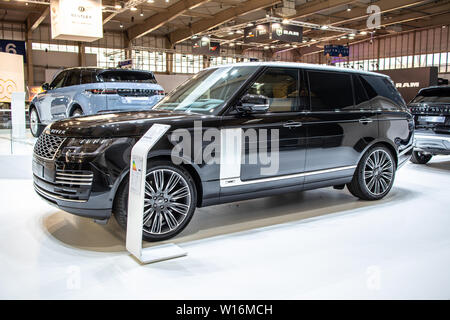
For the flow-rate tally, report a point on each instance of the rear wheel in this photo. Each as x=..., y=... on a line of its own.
x=420, y=157
x=169, y=203
x=36, y=127
x=77, y=112
x=374, y=176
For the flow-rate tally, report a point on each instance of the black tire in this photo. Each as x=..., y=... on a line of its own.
x=36, y=127
x=420, y=158
x=121, y=201
x=77, y=112
x=362, y=187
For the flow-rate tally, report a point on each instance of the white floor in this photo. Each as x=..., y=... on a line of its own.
x=315, y=244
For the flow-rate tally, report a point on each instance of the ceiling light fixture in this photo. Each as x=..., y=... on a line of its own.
x=142, y=13
x=133, y=9
x=285, y=21
x=150, y=1
x=121, y=25
x=349, y=8
x=324, y=27
x=363, y=33
x=205, y=38
x=249, y=24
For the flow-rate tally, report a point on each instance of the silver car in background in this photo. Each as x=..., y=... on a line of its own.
x=86, y=91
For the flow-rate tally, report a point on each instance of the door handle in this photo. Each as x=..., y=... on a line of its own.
x=292, y=124
x=365, y=120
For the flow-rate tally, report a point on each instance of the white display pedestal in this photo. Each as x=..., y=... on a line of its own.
x=18, y=115
x=138, y=169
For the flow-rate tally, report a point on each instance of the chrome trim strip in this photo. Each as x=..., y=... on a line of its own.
x=430, y=137
x=74, y=179
x=48, y=195
x=74, y=183
x=239, y=182
x=406, y=150
x=74, y=174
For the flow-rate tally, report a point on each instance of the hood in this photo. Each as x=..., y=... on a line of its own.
x=119, y=124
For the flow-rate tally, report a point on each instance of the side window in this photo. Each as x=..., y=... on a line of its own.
x=383, y=92
x=73, y=78
x=361, y=98
x=87, y=76
x=58, y=81
x=330, y=91
x=280, y=86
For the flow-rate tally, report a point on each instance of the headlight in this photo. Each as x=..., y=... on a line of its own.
x=77, y=149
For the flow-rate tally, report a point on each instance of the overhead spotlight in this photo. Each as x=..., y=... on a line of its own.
x=266, y=47
x=205, y=38
x=305, y=41
x=349, y=8
x=272, y=46
x=231, y=44
x=294, y=46
x=443, y=27
x=239, y=31
x=150, y=1
x=249, y=24
x=313, y=40
x=287, y=45
x=194, y=36
x=133, y=9
x=231, y=32
x=285, y=21
x=351, y=35
x=142, y=13
x=351, y=38
x=117, y=6
x=363, y=33
x=121, y=25
x=324, y=27
x=167, y=1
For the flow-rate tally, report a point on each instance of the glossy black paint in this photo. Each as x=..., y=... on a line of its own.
x=323, y=140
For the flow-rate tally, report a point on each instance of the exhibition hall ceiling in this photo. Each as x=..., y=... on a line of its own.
x=181, y=21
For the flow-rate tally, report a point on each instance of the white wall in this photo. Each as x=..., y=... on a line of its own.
x=171, y=81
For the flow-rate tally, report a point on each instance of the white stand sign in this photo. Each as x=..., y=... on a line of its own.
x=18, y=115
x=138, y=169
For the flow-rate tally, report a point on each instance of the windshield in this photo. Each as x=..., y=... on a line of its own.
x=441, y=95
x=207, y=91
x=127, y=76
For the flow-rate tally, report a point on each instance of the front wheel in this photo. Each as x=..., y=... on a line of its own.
x=374, y=176
x=77, y=112
x=169, y=203
x=420, y=157
x=36, y=127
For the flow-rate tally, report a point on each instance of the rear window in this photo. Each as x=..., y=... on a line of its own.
x=127, y=76
x=440, y=95
x=381, y=86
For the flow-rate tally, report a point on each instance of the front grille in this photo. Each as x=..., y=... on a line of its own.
x=69, y=185
x=47, y=145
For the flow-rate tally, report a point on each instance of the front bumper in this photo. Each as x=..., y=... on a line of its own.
x=80, y=191
x=431, y=142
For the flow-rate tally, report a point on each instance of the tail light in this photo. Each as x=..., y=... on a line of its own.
x=102, y=91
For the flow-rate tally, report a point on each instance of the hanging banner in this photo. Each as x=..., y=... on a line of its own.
x=14, y=47
x=206, y=47
x=79, y=20
x=258, y=33
x=287, y=33
x=11, y=76
x=336, y=51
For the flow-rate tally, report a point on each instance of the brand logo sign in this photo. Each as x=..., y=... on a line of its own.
x=276, y=31
x=79, y=20
x=407, y=84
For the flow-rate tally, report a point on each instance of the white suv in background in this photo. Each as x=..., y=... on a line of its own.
x=86, y=91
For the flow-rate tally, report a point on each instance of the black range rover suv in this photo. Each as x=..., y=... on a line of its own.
x=431, y=110
x=325, y=126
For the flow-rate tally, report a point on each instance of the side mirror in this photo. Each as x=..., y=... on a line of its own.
x=45, y=86
x=251, y=103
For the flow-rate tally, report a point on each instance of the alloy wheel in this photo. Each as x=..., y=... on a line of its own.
x=378, y=172
x=34, y=122
x=167, y=201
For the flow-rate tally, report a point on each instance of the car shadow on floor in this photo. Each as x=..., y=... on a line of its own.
x=226, y=219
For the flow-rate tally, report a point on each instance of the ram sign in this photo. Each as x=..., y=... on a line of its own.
x=409, y=81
